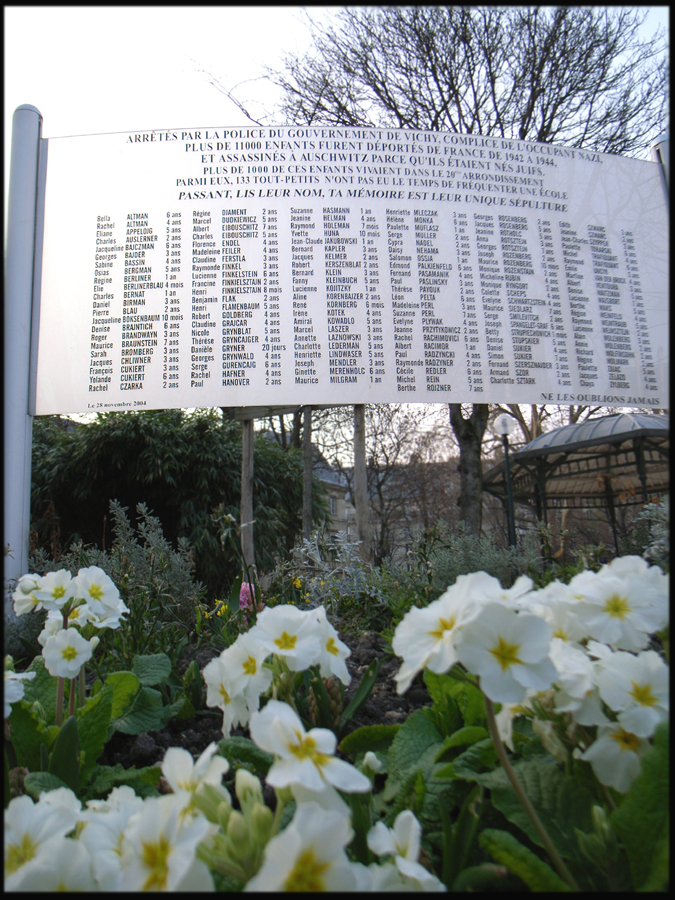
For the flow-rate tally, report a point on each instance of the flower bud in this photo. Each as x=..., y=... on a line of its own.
x=239, y=834
x=9, y=663
x=248, y=790
x=605, y=833
x=261, y=822
x=95, y=641
x=223, y=814
x=546, y=732
x=370, y=761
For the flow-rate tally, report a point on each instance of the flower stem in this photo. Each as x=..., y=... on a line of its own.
x=60, y=685
x=524, y=799
x=71, y=698
x=82, y=689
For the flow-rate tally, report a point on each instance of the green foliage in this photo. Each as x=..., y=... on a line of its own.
x=462, y=552
x=506, y=849
x=155, y=581
x=185, y=467
x=642, y=821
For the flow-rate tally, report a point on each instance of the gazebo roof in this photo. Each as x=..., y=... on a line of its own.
x=576, y=465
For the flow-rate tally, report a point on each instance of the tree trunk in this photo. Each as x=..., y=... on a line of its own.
x=361, y=480
x=469, y=433
x=307, y=474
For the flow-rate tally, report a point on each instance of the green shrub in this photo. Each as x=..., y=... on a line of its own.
x=185, y=467
x=155, y=581
x=462, y=553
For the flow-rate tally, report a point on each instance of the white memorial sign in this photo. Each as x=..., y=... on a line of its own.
x=250, y=266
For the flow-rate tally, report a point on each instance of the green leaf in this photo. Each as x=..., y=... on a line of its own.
x=27, y=735
x=124, y=685
x=413, y=740
x=64, y=761
x=479, y=757
x=41, y=688
x=242, y=752
x=560, y=801
x=233, y=598
x=35, y=783
x=145, y=713
x=520, y=861
x=152, y=669
x=642, y=819
x=93, y=720
x=105, y=778
x=369, y=737
x=464, y=737
x=445, y=713
x=362, y=693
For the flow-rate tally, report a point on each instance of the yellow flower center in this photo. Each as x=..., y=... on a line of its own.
x=18, y=854
x=58, y=591
x=617, y=607
x=69, y=652
x=286, y=641
x=443, y=626
x=642, y=694
x=224, y=695
x=626, y=740
x=250, y=666
x=155, y=858
x=330, y=646
x=560, y=633
x=306, y=874
x=74, y=613
x=306, y=749
x=506, y=654
x=96, y=591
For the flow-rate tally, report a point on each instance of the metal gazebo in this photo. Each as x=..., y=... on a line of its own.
x=611, y=461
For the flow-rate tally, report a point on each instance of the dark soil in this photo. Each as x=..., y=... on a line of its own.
x=383, y=706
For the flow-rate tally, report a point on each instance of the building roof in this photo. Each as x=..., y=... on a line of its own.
x=576, y=465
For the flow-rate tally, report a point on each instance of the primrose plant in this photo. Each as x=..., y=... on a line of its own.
x=76, y=609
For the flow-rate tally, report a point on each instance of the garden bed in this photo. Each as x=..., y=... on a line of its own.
x=383, y=707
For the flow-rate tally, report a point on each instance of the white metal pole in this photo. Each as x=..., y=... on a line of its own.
x=19, y=275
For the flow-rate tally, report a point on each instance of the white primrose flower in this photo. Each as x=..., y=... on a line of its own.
x=245, y=660
x=24, y=597
x=637, y=687
x=159, y=845
x=30, y=831
x=14, y=689
x=53, y=624
x=224, y=689
x=66, y=652
x=509, y=651
x=291, y=634
x=98, y=590
x=108, y=617
x=327, y=798
x=619, y=611
x=577, y=683
x=103, y=833
x=403, y=842
x=615, y=756
x=303, y=757
x=67, y=867
x=308, y=855
x=333, y=651
x=184, y=774
x=556, y=605
x=427, y=637
x=55, y=589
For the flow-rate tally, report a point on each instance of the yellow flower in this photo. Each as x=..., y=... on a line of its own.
x=297, y=583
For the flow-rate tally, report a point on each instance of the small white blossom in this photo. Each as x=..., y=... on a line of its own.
x=637, y=687
x=308, y=855
x=615, y=756
x=14, y=689
x=55, y=589
x=289, y=633
x=333, y=651
x=303, y=757
x=66, y=652
x=509, y=651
